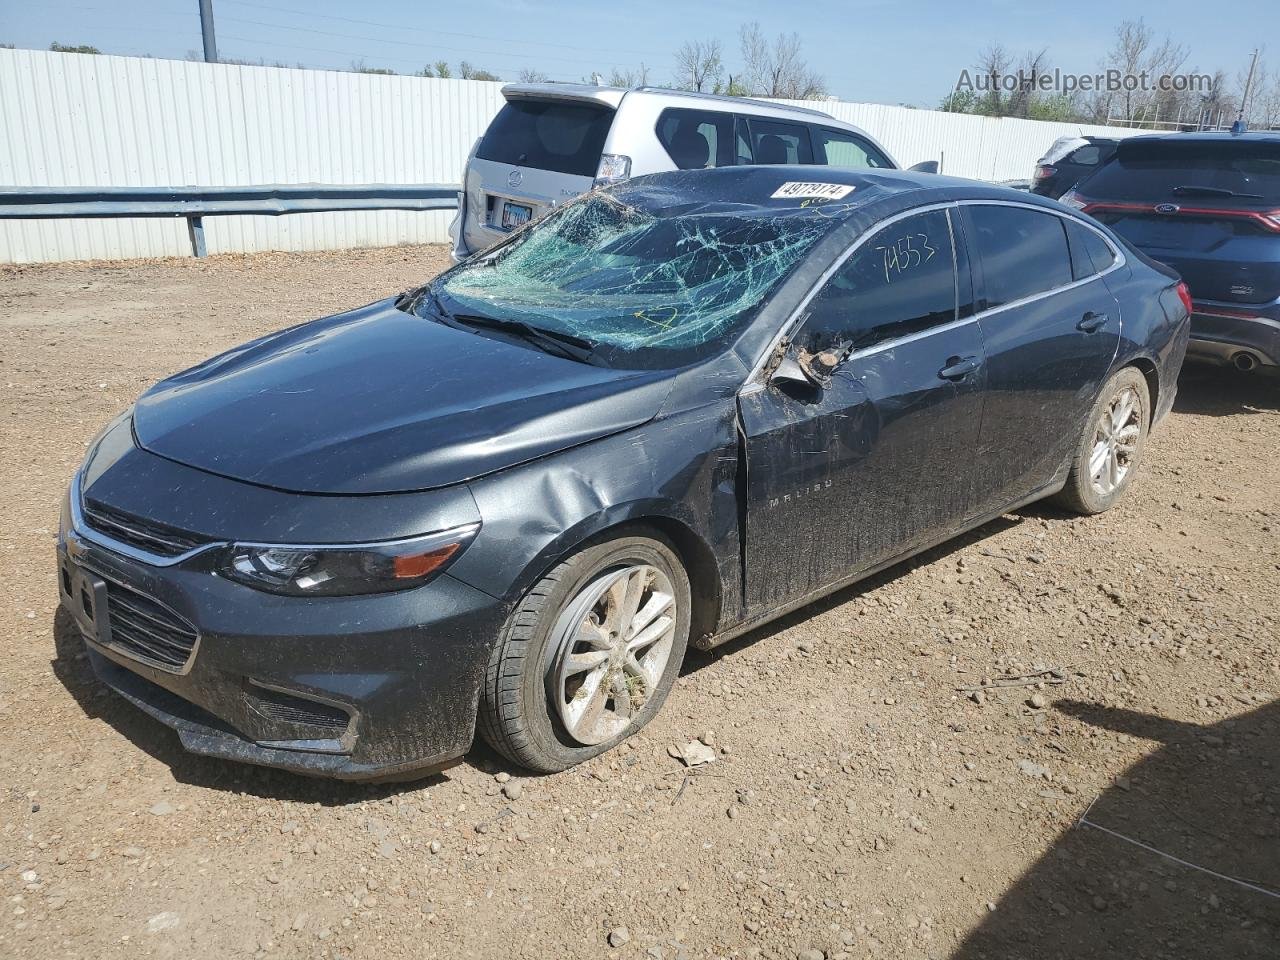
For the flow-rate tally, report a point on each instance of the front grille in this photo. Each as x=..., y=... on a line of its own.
x=284, y=708
x=147, y=630
x=148, y=535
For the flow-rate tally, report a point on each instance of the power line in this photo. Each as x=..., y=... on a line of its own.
x=433, y=31
x=406, y=43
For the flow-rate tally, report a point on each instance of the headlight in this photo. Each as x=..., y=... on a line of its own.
x=344, y=569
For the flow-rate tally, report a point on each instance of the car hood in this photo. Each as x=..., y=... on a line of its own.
x=379, y=401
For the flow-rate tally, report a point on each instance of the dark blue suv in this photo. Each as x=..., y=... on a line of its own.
x=1208, y=205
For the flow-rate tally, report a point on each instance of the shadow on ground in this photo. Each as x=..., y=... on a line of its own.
x=1217, y=391
x=1209, y=796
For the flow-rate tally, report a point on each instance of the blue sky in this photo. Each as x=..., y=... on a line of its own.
x=879, y=51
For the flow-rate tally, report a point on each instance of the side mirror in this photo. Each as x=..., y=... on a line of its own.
x=924, y=166
x=805, y=368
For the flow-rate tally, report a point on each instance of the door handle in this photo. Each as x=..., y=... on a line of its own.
x=1092, y=322
x=958, y=368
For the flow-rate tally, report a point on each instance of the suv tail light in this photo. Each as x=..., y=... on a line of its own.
x=1184, y=294
x=1073, y=199
x=1044, y=172
x=613, y=167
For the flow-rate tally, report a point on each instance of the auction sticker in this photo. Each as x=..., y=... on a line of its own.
x=796, y=190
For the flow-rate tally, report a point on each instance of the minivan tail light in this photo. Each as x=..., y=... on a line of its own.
x=1184, y=294
x=613, y=167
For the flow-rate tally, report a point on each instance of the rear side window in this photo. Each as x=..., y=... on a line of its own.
x=1090, y=254
x=775, y=142
x=1201, y=172
x=1023, y=252
x=1088, y=156
x=695, y=139
x=556, y=135
x=836, y=148
x=901, y=281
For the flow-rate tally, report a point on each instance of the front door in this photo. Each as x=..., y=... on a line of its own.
x=845, y=476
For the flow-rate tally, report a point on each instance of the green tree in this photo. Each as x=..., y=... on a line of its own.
x=57, y=47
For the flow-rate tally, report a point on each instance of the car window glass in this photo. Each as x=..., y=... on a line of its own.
x=774, y=142
x=695, y=139
x=548, y=135
x=1024, y=252
x=842, y=149
x=900, y=281
x=1089, y=252
x=742, y=141
x=1086, y=156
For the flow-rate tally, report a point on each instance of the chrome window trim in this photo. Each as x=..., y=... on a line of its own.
x=754, y=384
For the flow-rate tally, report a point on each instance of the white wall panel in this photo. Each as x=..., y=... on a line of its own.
x=75, y=120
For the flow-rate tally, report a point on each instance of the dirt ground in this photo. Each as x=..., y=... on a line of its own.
x=862, y=804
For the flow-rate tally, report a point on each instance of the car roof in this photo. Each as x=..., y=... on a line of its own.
x=613, y=97
x=748, y=190
x=1208, y=136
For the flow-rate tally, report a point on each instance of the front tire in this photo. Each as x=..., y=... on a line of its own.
x=589, y=655
x=1111, y=447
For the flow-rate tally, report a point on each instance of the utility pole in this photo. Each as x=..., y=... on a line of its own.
x=1248, y=86
x=206, y=28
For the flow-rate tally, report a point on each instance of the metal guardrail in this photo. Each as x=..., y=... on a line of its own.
x=196, y=203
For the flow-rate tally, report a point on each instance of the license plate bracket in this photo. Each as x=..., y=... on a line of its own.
x=515, y=214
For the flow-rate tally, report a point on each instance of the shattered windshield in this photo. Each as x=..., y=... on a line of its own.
x=646, y=287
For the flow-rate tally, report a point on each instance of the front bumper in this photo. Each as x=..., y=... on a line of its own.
x=1223, y=332
x=369, y=687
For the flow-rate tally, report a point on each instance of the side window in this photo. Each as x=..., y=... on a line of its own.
x=742, y=141
x=902, y=280
x=1024, y=252
x=1086, y=156
x=1090, y=254
x=776, y=142
x=836, y=148
x=695, y=139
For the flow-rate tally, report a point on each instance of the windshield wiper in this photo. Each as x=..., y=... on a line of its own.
x=1213, y=192
x=551, y=341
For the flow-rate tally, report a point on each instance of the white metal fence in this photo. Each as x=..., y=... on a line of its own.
x=78, y=120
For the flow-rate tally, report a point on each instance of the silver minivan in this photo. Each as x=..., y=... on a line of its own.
x=552, y=142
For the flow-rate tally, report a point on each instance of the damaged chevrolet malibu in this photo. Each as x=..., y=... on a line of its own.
x=668, y=412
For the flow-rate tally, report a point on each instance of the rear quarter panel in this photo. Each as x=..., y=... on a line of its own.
x=1154, y=328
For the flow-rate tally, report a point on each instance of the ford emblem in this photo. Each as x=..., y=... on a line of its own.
x=1167, y=208
x=514, y=178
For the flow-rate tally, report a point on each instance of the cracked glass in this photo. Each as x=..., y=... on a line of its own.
x=649, y=284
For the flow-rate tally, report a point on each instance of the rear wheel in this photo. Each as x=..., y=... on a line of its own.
x=1112, y=445
x=589, y=655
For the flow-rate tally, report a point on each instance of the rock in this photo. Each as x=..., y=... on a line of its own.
x=619, y=937
x=1037, y=701
x=289, y=826
x=30, y=876
x=810, y=954
x=162, y=809
x=693, y=753
x=436, y=846
x=163, y=921
x=502, y=777
x=978, y=697
x=133, y=853
x=708, y=738
x=512, y=790
x=1031, y=769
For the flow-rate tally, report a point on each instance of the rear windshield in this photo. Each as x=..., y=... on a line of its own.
x=553, y=135
x=1190, y=171
x=652, y=287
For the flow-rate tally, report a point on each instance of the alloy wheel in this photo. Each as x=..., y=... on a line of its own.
x=1115, y=442
x=612, y=645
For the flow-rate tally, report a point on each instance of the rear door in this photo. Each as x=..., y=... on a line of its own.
x=1051, y=329
x=536, y=154
x=846, y=476
x=1209, y=208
